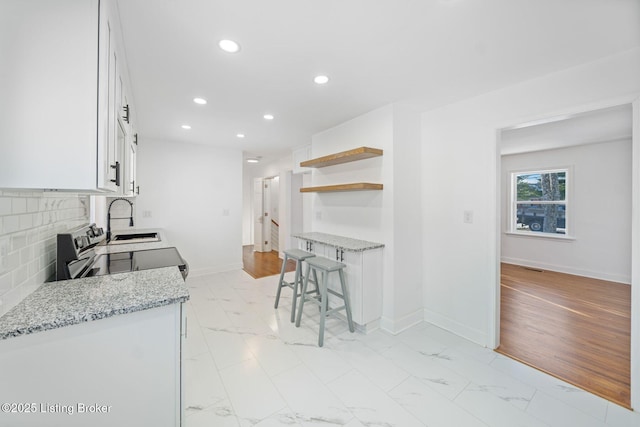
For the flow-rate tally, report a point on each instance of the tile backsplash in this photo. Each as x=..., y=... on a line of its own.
x=29, y=223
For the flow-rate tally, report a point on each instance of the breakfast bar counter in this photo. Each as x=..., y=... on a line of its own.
x=363, y=273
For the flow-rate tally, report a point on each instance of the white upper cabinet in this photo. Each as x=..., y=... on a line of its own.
x=61, y=68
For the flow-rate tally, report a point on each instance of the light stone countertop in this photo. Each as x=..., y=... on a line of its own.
x=68, y=302
x=340, y=242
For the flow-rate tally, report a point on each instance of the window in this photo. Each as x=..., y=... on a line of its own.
x=539, y=201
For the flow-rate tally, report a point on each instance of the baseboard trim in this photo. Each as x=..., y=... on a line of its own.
x=213, y=270
x=457, y=328
x=618, y=278
x=395, y=327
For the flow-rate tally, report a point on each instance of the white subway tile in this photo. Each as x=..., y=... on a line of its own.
x=18, y=205
x=11, y=224
x=9, y=262
x=5, y=283
x=5, y=206
x=19, y=275
x=29, y=222
x=5, y=246
x=18, y=241
x=26, y=255
x=26, y=221
x=33, y=204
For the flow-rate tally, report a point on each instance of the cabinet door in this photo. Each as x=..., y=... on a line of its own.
x=110, y=133
x=316, y=248
x=353, y=280
x=48, y=94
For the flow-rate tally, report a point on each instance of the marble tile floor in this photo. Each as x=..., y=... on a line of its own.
x=247, y=365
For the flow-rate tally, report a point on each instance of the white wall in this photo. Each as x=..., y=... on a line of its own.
x=460, y=165
x=193, y=192
x=366, y=215
x=599, y=212
x=407, y=220
x=390, y=216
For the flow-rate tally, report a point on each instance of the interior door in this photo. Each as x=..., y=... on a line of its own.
x=261, y=218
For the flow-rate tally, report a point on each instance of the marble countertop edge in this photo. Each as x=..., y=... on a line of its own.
x=340, y=242
x=59, y=304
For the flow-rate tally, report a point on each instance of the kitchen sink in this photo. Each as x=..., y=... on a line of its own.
x=135, y=238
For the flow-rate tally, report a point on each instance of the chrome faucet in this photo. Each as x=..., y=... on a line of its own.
x=109, y=216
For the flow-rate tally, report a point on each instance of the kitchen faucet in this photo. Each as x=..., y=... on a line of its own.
x=109, y=216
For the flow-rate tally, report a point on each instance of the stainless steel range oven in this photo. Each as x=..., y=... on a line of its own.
x=76, y=256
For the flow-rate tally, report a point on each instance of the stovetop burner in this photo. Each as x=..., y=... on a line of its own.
x=121, y=262
x=76, y=256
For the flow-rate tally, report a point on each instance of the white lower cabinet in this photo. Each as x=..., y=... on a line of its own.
x=124, y=370
x=363, y=276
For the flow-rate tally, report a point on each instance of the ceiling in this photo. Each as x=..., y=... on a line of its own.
x=428, y=52
x=604, y=125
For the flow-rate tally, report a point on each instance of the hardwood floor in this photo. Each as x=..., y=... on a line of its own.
x=574, y=328
x=263, y=264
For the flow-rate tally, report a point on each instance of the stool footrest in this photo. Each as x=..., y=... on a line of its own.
x=333, y=310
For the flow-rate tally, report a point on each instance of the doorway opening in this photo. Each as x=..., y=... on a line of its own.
x=274, y=209
x=565, y=289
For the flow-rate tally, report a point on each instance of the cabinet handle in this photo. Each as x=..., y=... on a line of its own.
x=133, y=186
x=341, y=255
x=337, y=258
x=126, y=113
x=117, y=168
x=138, y=189
x=135, y=139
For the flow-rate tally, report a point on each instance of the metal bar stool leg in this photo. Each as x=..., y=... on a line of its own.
x=323, y=305
x=280, y=285
x=303, y=296
x=345, y=297
x=297, y=282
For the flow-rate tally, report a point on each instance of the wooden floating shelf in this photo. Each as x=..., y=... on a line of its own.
x=358, y=186
x=360, y=153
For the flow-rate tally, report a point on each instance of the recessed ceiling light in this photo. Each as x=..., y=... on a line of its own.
x=229, y=46
x=187, y=127
x=240, y=135
x=200, y=101
x=268, y=116
x=252, y=160
x=321, y=79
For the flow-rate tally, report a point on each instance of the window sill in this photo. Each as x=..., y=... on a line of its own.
x=539, y=235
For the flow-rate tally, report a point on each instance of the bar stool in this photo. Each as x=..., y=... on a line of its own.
x=325, y=266
x=298, y=256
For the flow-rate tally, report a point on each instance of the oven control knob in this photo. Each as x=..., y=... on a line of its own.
x=91, y=233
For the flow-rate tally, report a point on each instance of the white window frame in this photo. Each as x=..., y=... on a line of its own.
x=513, y=203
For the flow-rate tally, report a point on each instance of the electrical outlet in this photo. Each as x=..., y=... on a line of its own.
x=319, y=215
x=146, y=214
x=225, y=212
x=468, y=217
